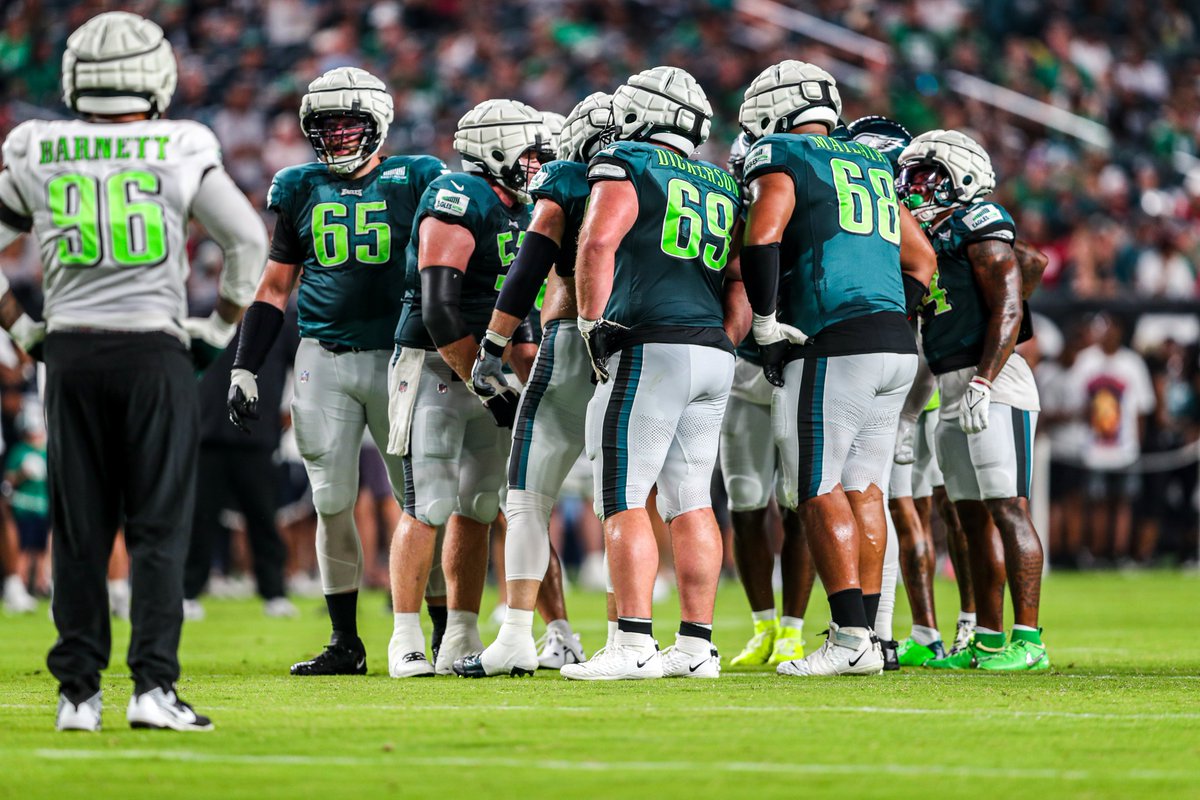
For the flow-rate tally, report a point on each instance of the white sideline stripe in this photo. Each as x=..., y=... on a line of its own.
x=977, y=712
x=924, y=769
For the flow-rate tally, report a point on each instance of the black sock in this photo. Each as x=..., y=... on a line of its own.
x=696, y=629
x=871, y=606
x=343, y=616
x=437, y=615
x=847, y=610
x=635, y=625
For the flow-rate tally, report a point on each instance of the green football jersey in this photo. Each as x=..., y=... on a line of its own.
x=954, y=312
x=469, y=201
x=564, y=182
x=670, y=265
x=842, y=244
x=350, y=238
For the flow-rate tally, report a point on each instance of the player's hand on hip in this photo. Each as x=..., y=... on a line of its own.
x=503, y=406
x=598, y=338
x=487, y=374
x=774, y=338
x=975, y=405
x=242, y=402
x=906, y=436
x=29, y=335
x=210, y=336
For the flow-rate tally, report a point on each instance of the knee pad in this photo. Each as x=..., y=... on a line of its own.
x=332, y=499
x=746, y=493
x=527, y=546
x=339, y=552
x=437, y=512
x=482, y=507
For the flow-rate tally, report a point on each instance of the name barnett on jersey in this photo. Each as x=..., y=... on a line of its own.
x=101, y=148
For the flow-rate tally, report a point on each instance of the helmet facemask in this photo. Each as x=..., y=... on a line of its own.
x=343, y=140
x=517, y=176
x=926, y=189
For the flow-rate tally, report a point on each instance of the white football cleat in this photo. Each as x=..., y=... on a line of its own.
x=406, y=657
x=556, y=650
x=17, y=599
x=162, y=710
x=617, y=663
x=680, y=663
x=280, y=608
x=846, y=651
x=500, y=658
x=193, y=611
x=82, y=717
x=458, y=642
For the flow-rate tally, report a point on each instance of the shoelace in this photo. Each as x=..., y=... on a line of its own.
x=545, y=638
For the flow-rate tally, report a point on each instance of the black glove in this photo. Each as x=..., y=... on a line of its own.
x=503, y=406
x=242, y=401
x=598, y=338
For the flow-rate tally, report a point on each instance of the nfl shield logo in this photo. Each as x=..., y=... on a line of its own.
x=403, y=386
x=442, y=388
x=304, y=376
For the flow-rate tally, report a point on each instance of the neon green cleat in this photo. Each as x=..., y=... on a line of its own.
x=1020, y=656
x=789, y=645
x=912, y=654
x=758, y=649
x=970, y=658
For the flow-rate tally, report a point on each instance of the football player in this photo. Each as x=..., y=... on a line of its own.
x=465, y=237
x=548, y=434
x=342, y=225
x=660, y=305
x=827, y=208
x=973, y=318
x=749, y=467
x=108, y=197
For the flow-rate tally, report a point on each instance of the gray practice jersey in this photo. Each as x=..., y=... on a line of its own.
x=109, y=206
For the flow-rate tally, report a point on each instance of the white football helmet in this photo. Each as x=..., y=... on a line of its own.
x=588, y=129
x=495, y=136
x=789, y=94
x=943, y=169
x=345, y=116
x=664, y=105
x=737, y=156
x=118, y=63
x=554, y=124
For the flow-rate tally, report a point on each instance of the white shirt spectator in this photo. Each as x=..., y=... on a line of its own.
x=1115, y=391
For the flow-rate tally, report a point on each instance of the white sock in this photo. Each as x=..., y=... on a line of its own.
x=463, y=620
x=612, y=633
x=766, y=615
x=517, y=626
x=638, y=641
x=406, y=622
x=792, y=622
x=966, y=616
x=985, y=631
x=693, y=645
x=406, y=629
x=562, y=626
x=1024, y=628
x=925, y=635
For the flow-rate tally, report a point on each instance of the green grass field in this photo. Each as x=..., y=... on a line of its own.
x=1118, y=716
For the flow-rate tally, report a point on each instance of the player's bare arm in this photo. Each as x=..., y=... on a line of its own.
x=442, y=259
x=612, y=211
x=1033, y=264
x=917, y=257
x=738, y=315
x=998, y=276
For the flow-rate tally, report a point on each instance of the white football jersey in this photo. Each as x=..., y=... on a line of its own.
x=109, y=205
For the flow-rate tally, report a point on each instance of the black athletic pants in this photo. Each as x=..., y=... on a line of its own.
x=122, y=440
x=243, y=478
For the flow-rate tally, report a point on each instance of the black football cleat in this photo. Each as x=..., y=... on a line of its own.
x=891, y=660
x=472, y=667
x=335, y=659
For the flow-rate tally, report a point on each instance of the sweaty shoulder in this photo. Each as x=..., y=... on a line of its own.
x=16, y=145
x=560, y=181
x=458, y=198
x=619, y=162
x=291, y=182
x=982, y=221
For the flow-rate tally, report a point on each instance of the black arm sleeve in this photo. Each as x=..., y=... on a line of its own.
x=285, y=243
x=14, y=220
x=760, y=273
x=441, y=291
x=524, y=333
x=914, y=293
x=528, y=272
x=260, y=326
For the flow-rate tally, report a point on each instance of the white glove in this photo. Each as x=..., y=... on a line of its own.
x=211, y=330
x=976, y=402
x=906, y=436
x=768, y=330
x=242, y=401
x=27, y=333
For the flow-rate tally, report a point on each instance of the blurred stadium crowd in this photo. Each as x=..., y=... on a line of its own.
x=1121, y=225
